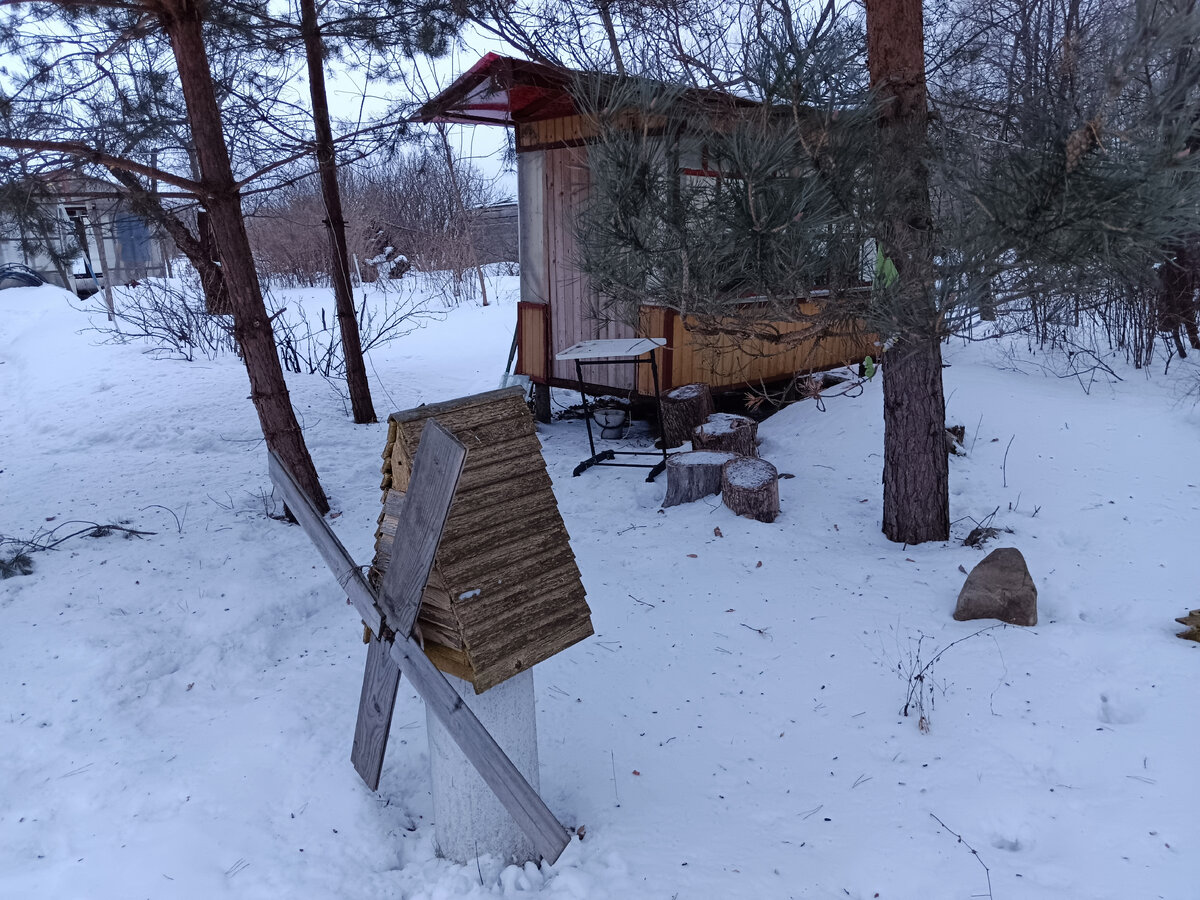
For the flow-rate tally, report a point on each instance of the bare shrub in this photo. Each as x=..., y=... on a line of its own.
x=168, y=314
x=313, y=346
x=415, y=206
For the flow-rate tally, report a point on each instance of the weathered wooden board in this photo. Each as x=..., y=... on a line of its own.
x=375, y=706
x=420, y=519
x=436, y=469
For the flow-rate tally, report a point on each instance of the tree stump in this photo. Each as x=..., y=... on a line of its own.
x=683, y=408
x=691, y=476
x=750, y=487
x=730, y=433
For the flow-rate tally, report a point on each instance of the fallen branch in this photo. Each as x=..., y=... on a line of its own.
x=986, y=871
x=17, y=561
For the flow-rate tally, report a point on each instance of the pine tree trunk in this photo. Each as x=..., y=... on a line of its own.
x=916, y=500
x=361, y=406
x=182, y=20
x=916, y=480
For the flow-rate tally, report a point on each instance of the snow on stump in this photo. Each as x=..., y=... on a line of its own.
x=724, y=431
x=683, y=409
x=691, y=476
x=1000, y=587
x=750, y=487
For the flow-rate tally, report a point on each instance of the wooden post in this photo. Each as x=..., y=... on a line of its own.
x=469, y=819
x=541, y=403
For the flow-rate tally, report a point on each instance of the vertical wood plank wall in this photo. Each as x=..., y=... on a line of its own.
x=532, y=340
x=572, y=299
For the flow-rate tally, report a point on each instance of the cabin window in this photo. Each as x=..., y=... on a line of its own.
x=133, y=239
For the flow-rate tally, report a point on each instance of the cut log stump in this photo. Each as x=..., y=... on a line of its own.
x=750, y=487
x=691, y=476
x=683, y=409
x=727, y=432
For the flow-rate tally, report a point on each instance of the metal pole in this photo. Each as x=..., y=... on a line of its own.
x=587, y=416
x=662, y=438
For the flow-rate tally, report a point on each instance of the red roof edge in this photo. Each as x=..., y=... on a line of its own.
x=460, y=101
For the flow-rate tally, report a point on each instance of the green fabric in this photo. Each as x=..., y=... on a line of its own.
x=886, y=273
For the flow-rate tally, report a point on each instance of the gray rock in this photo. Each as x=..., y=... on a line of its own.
x=1000, y=587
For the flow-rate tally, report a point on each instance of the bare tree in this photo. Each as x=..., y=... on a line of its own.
x=116, y=25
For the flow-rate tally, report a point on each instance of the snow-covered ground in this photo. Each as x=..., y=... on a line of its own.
x=176, y=710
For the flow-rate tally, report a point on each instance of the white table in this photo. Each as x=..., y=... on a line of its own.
x=635, y=352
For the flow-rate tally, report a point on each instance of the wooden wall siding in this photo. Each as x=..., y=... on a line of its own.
x=726, y=363
x=505, y=592
x=572, y=300
x=572, y=131
x=553, y=133
x=532, y=340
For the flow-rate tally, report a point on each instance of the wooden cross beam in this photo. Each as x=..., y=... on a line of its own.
x=390, y=614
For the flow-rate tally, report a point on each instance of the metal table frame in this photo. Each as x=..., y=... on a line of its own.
x=617, y=352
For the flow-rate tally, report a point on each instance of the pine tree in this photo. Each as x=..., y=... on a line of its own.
x=1079, y=169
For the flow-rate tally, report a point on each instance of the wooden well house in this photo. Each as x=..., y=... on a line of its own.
x=505, y=592
x=557, y=305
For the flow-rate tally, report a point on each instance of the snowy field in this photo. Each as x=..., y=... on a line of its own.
x=176, y=710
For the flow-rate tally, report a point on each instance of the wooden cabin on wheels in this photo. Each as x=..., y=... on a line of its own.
x=558, y=307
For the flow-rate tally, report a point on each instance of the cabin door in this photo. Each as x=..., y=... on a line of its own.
x=573, y=303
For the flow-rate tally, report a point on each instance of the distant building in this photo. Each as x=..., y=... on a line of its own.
x=494, y=233
x=94, y=229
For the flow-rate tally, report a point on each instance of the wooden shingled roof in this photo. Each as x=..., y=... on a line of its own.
x=505, y=592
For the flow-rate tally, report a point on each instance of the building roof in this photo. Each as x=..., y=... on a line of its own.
x=502, y=90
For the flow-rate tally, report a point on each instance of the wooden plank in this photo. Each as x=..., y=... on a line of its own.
x=433, y=633
x=451, y=661
x=380, y=683
x=469, y=573
x=514, y=436
x=464, y=535
x=531, y=814
x=499, y=439
x=437, y=410
x=488, y=675
x=436, y=469
x=531, y=349
x=344, y=570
